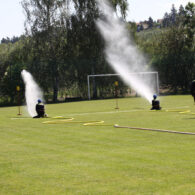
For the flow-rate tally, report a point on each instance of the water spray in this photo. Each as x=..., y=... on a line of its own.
x=121, y=52
x=32, y=92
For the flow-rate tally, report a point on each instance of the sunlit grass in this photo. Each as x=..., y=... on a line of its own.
x=71, y=158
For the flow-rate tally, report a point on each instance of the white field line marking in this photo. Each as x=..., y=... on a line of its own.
x=123, y=111
x=19, y=118
x=111, y=112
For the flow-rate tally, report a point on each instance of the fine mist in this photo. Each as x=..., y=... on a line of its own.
x=32, y=92
x=121, y=52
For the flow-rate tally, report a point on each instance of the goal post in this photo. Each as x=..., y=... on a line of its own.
x=155, y=76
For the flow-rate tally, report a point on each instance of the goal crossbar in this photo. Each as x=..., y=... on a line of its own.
x=133, y=73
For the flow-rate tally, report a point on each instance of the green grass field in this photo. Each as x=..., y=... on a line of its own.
x=71, y=158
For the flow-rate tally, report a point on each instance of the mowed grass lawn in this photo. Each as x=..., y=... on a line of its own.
x=71, y=158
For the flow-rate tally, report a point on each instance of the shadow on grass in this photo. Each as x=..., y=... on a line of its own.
x=189, y=118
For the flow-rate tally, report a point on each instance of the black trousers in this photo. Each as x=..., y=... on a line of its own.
x=40, y=115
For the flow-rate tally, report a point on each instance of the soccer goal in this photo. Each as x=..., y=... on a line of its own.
x=103, y=84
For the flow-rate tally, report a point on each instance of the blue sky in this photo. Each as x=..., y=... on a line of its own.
x=142, y=10
x=12, y=16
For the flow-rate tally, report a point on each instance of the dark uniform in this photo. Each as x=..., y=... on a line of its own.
x=40, y=109
x=155, y=104
x=193, y=89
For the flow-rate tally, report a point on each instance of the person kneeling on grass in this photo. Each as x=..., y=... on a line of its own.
x=192, y=89
x=155, y=103
x=40, y=109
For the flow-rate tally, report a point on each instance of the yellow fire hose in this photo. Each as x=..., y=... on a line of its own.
x=65, y=120
x=181, y=111
x=70, y=120
x=101, y=123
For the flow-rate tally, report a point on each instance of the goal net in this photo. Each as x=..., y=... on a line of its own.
x=103, y=85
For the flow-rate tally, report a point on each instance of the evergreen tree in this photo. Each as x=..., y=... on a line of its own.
x=166, y=20
x=173, y=15
x=181, y=11
x=150, y=22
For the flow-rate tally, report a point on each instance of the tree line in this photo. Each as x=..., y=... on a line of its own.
x=171, y=49
x=62, y=46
